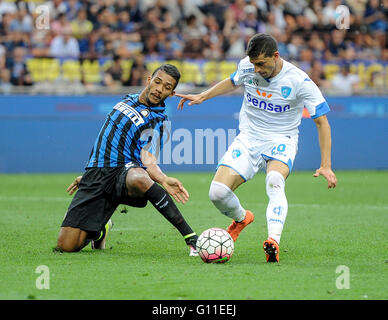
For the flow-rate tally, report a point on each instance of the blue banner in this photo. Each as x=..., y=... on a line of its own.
x=56, y=133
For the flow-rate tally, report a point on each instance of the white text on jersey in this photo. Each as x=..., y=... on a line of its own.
x=130, y=112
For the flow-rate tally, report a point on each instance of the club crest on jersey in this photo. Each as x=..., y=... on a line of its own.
x=236, y=153
x=285, y=91
x=145, y=112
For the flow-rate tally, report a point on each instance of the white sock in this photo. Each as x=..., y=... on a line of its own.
x=278, y=206
x=226, y=201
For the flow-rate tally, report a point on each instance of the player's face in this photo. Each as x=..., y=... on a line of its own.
x=265, y=66
x=158, y=88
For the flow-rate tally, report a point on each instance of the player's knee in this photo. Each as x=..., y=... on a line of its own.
x=274, y=182
x=67, y=245
x=68, y=240
x=218, y=192
x=138, y=182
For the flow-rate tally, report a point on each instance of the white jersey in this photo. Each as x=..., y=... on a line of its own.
x=275, y=106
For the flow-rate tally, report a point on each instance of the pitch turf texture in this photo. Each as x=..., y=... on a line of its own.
x=146, y=258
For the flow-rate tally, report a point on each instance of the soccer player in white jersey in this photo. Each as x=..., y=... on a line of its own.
x=275, y=93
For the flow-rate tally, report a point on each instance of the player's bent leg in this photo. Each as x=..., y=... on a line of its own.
x=277, y=208
x=221, y=194
x=139, y=184
x=71, y=239
x=226, y=201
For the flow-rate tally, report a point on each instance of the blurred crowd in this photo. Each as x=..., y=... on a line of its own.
x=307, y=32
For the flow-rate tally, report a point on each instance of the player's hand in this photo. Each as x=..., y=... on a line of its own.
x=175, y=188
x=329, y=176
x=74, y=185
x=193, y=98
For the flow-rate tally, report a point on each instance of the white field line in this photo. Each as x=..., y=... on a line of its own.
x=35, y=199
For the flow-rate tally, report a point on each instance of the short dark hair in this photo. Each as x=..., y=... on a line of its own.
x=170, y=70
x=261, y=43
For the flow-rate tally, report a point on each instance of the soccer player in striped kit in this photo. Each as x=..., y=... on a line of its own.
x=275, y=93
x=122, y=169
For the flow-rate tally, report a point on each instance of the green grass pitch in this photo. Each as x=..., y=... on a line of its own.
x=146, y=257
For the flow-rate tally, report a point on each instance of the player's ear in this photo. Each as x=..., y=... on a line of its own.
x=172, y=94
x=276, y=55
x=148, y=80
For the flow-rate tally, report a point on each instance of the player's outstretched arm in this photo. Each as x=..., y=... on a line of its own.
x=74, y=185
x=172, y=185
x=222, y=87
x=324, y=136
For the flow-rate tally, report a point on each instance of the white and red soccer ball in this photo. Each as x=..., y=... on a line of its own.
x=215, y=245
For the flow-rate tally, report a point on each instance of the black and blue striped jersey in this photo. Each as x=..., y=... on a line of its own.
x=129, y=128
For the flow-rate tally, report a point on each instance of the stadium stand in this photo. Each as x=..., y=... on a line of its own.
x=74, y=43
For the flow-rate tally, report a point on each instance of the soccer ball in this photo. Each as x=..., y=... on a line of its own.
x=215, y=245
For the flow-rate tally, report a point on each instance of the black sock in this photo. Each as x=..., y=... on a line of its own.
x=162, y=201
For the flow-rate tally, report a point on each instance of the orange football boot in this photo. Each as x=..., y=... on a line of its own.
x=236, y=227
x=271, y=249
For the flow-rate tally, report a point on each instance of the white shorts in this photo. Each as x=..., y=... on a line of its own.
x=247, y=156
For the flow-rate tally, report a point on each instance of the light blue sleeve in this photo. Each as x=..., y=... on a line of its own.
x=321, y=109
x=233, y=78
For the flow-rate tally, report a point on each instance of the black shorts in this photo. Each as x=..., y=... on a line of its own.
x=100, y=192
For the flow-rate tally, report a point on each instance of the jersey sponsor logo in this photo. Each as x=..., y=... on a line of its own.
x=254, y=81
x=264, y=94
x=285, y=91
x=130, y=112
x=268, y=106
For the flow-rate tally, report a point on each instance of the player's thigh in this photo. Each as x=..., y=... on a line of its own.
x=276, y=165
x=229, y=177
x=94, y=203
x=125, y=190
x=71, y=239
x=237, y=165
